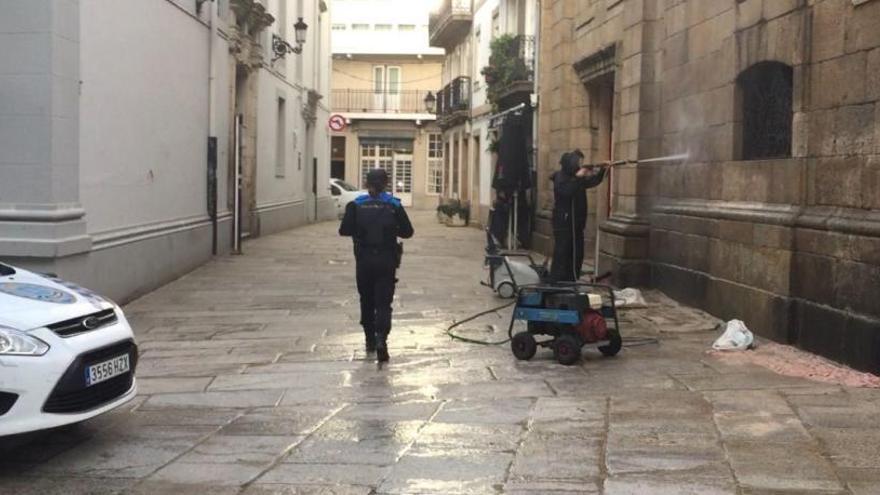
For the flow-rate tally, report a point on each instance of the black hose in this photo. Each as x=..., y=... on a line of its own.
x=640, y=341
x=474, y=317
x=636, y=341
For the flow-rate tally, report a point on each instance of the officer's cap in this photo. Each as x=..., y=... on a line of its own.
x=377, y=177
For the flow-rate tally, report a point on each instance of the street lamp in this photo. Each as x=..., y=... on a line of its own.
x=430, y=102
x=300, y=29
x=282, y=48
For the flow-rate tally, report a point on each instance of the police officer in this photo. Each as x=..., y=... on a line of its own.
x=570, y=215
x=374, y=221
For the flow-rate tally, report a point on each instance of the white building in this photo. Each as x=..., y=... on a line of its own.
x=466, y=30
x=106, y=109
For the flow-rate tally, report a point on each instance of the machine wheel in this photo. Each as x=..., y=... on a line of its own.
x=567, y=349
x=524, y=346
x=614, y=346
x=506, y=290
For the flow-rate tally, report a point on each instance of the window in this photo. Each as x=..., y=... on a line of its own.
x=376, y=155
x=435, y=163
x=393, y=80
x=360, y=27
x=339, y=27
x=280, y=141
x=406, y=27
x=764, y=103
x=383, y=27
x=379, y=79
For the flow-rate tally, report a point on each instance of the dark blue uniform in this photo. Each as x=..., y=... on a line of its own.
x=375, y=223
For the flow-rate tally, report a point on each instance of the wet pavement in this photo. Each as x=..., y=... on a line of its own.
x=253, y=381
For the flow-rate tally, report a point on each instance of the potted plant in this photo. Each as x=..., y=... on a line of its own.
x=454, y=213
x=442, y=215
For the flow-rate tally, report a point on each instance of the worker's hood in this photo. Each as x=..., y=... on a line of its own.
x=569, y=162
x=29, y=300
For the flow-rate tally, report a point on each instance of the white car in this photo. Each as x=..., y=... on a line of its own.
x=343, y=193
x=66, y=353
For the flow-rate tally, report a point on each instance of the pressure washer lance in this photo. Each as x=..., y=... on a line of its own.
x=617, y=163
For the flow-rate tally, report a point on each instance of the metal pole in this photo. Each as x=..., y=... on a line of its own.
x=515, y=219
x=236, y=224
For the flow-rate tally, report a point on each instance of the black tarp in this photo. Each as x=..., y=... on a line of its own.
x=513, y=178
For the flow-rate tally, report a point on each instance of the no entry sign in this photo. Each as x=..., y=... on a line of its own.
x=337, y=122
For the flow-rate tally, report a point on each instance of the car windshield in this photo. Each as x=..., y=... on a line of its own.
x=346, y=186
x=6, y=270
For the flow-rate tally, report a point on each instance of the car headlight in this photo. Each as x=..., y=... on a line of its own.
x=16, y=343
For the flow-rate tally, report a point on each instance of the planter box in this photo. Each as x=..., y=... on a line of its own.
x=456, y=221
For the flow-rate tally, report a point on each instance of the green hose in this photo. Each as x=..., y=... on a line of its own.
x=474, y=317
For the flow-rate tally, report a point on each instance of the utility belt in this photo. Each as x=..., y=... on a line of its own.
x=396, y=250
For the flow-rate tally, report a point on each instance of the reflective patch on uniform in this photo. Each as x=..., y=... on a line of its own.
x=37, y=293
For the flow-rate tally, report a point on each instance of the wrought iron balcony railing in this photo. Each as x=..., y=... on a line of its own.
x=370, y=101
x=454, y=99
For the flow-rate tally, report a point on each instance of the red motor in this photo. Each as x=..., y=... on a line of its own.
x=592, y=327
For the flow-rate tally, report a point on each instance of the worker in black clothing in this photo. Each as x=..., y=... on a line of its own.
x=570, y=214
x=374, y=221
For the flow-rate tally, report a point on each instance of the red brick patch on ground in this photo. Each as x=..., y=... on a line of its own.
x=789, y=361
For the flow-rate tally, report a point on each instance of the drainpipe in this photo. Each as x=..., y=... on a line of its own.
x=535, y=119
x=212, y=129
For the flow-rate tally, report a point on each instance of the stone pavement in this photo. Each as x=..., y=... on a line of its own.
x=253, y=381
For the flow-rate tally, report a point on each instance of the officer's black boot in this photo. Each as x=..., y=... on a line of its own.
x=382, y=348
x=370, y=338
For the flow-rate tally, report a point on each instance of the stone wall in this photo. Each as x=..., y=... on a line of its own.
x=790, y=244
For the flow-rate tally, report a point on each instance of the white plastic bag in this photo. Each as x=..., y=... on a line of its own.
x=736, y=337
x=629, y=298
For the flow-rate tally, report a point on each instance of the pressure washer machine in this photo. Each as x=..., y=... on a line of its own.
x=572, y=314
x=511, y=269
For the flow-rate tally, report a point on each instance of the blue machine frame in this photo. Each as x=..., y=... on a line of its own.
x=530, y=298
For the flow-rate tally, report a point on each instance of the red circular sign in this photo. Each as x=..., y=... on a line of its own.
x=337, y=122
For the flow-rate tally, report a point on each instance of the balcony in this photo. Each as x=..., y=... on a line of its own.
x=381, y=102
x=510, y=75
x=451, y=23
x=454, y=102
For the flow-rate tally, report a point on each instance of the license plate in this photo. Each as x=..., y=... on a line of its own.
x=106, y=370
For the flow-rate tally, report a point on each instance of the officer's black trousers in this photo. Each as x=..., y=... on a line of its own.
x=568, y=254
x=375, y=283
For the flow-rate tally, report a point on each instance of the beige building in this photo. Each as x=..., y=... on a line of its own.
x=774, y=216
x=383, y=72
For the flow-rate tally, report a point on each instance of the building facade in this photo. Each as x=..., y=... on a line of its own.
x=383, y=71
x=469, y=101
x=772, y=215
x=117, y=158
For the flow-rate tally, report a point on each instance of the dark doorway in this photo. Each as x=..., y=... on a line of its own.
x=337, y=157
x=337, y=170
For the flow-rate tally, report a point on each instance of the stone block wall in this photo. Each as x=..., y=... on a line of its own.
x=788, y=244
